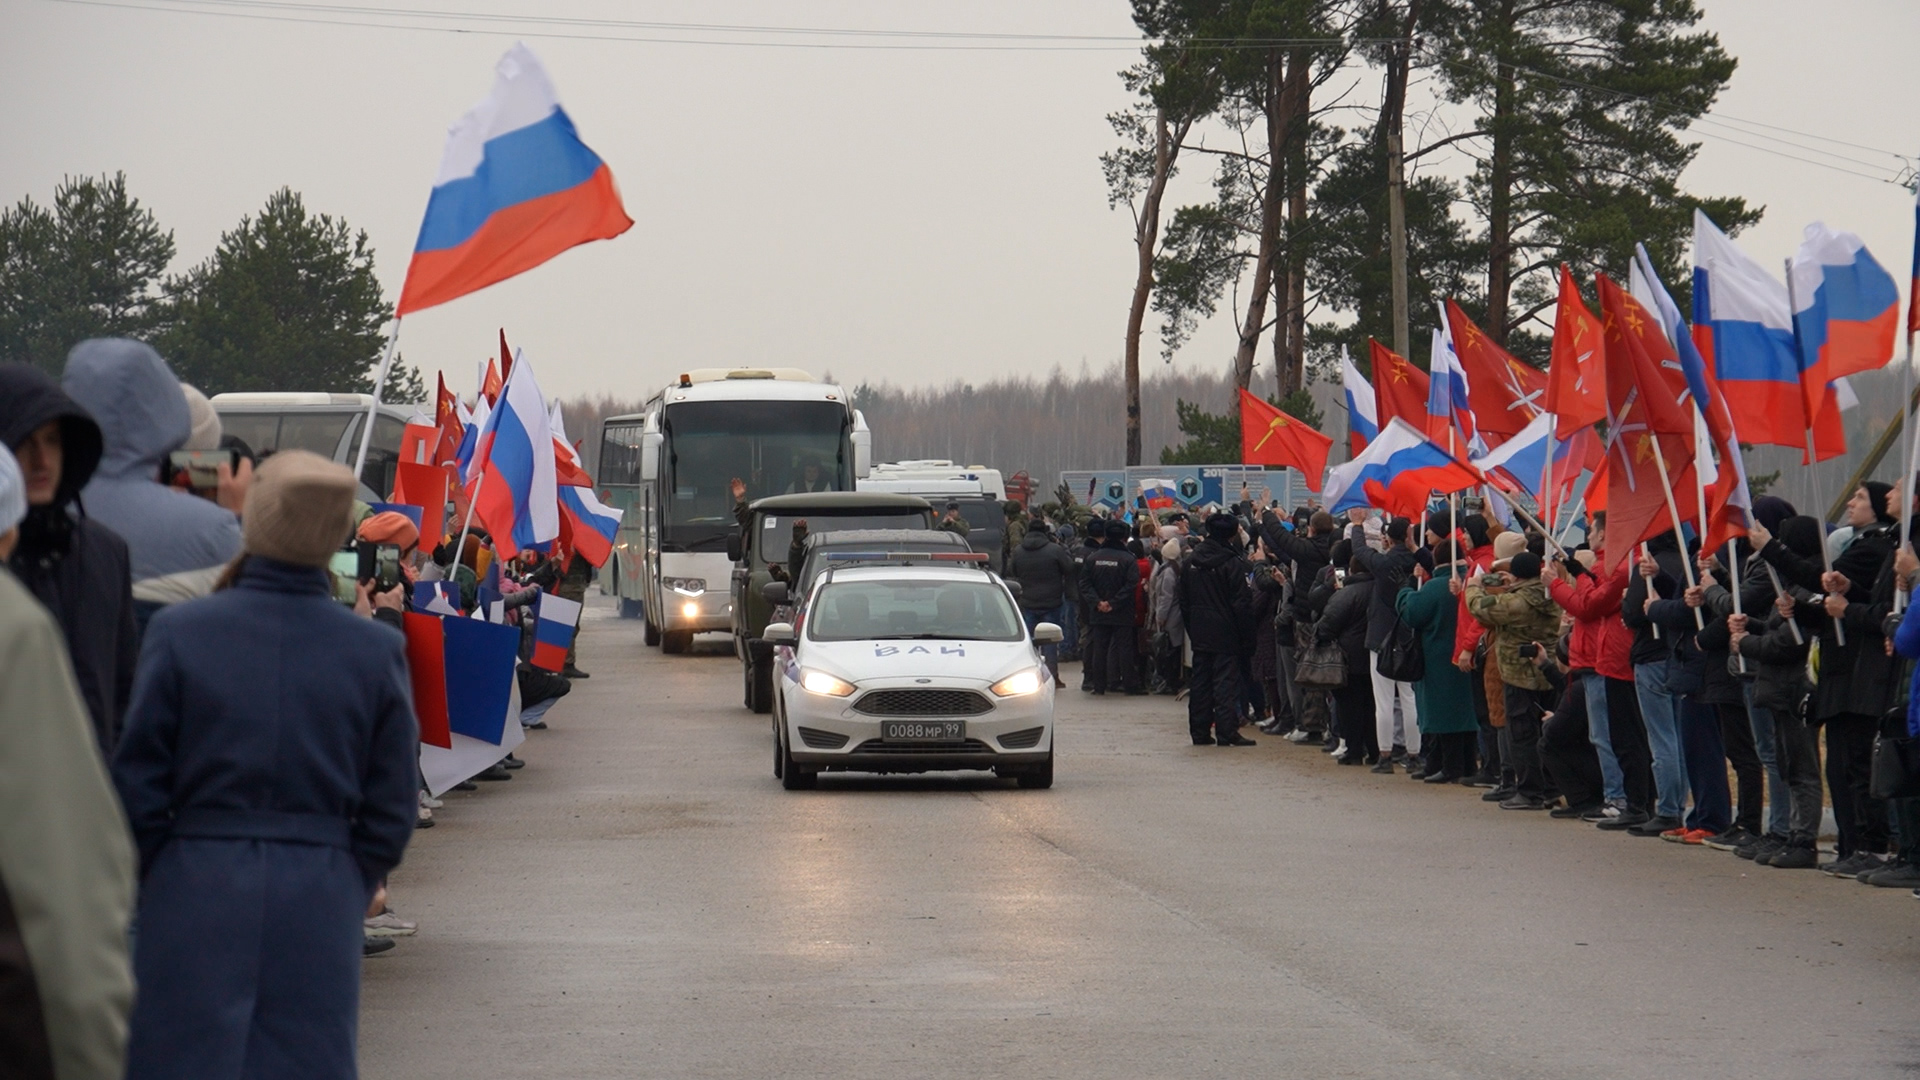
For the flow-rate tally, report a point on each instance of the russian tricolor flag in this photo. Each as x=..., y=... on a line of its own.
x=1397, y=473
x=1363, y=416
x=1846, y=308
x=1449, y=409
x=589, y=526
x=515, y=494
x=553, y=631
x=516, y=187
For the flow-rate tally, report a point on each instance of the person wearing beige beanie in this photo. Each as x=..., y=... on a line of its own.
x=299, y=509
x=269, y=772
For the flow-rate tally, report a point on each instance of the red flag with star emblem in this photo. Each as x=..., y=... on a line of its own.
x=1577, y=375
x=1506, y=394
x=1399, y=388
x=1641, y=408
x=1271, y=437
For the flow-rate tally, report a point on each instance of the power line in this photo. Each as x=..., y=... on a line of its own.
x=934, y=40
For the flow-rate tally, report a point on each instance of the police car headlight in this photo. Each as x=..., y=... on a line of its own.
x=1018, y=684
x=687, y=586
x=819, y=682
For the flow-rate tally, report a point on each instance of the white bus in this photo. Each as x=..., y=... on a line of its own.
x=670, y=469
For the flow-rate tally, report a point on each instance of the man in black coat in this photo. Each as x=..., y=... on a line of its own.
x=1303, y=551
x=1858, y=680
x=1214, y=601
x=78, y=568
x=1107, y=579
x=1048, y=582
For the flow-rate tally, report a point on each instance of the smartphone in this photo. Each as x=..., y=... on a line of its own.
x=377, y=565
x=1530, y=650
x=1339, y=575
x=201, y=467
x=344, y=568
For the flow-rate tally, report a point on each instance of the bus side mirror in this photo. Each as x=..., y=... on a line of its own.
x=733, y=546
x=650, y=455
x=862, y=447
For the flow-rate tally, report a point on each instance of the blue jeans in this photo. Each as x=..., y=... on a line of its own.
x=1779, y=803
x=1613, y=782
x=1660, y=710
x=1052, y=650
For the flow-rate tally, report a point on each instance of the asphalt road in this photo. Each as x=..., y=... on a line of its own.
x=644, y=900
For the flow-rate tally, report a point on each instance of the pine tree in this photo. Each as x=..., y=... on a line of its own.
x=87, y=267
x=1580, y=106
x=288, y=301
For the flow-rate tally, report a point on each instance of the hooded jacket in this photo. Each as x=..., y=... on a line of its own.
x=76, y=567
x=1840, y=689
x=1521, y=614
x=1044, y=570
x=178, y=543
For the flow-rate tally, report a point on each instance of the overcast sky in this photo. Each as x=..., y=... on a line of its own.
x=915, y=215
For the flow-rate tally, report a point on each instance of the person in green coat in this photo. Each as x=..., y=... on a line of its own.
x=1445, y=696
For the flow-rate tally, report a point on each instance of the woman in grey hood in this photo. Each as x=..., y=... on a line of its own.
x=179, y=543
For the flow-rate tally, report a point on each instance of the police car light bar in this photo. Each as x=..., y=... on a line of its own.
x=907, y=556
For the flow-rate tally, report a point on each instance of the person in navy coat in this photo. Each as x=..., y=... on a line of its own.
x=268, y=769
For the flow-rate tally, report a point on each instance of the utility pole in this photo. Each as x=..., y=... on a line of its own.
x=1395, y=106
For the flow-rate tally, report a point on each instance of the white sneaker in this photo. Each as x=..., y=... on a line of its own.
x=387, y=924
x=426, y=814
x=430, y=802
x=1297, y=735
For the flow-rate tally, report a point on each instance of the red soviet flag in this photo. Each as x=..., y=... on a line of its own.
x=1641, y=408
x=1505, y=393
x=1271, y=437
x=1399, y=388
x=1577, y=375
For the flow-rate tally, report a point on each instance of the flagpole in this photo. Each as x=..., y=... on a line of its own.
x=1813, y=459
x=1907, y=448
x=1571, y=518
x=1673, y=511
x=373, y=407
x=1733, y=573
x=1780, y=590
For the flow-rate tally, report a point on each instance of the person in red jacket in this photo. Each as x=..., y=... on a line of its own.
x=1599, y=656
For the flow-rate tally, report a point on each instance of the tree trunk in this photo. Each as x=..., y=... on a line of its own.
x=1255, y=319
x=1500, y=184
x=1302, y=85
x=1146, y=238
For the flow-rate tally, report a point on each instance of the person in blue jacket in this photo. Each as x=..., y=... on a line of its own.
x=268, y=769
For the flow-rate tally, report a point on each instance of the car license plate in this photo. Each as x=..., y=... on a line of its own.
x=923, y=730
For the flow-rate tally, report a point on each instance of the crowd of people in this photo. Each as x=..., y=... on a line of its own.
x=1650, y=692
x=209, y=753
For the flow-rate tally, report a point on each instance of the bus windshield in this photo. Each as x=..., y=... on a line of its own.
x=774, y=447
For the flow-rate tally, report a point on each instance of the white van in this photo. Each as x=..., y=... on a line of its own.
x=327, y=424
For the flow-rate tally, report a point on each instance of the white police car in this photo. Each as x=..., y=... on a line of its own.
x=911, y=662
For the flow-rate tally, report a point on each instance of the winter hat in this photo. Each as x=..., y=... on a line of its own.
x=1508, y=544
x=1168, y=532
x=1877, y=493
x=1771, y=510
x=297, y=509
x=1170, y=550
x=1525, y=566
x=1096, y=528
x=206, y=423
x=13, y=491
x=1222, y=527
x=390, y=527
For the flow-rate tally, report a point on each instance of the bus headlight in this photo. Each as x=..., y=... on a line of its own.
x=686, y=586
